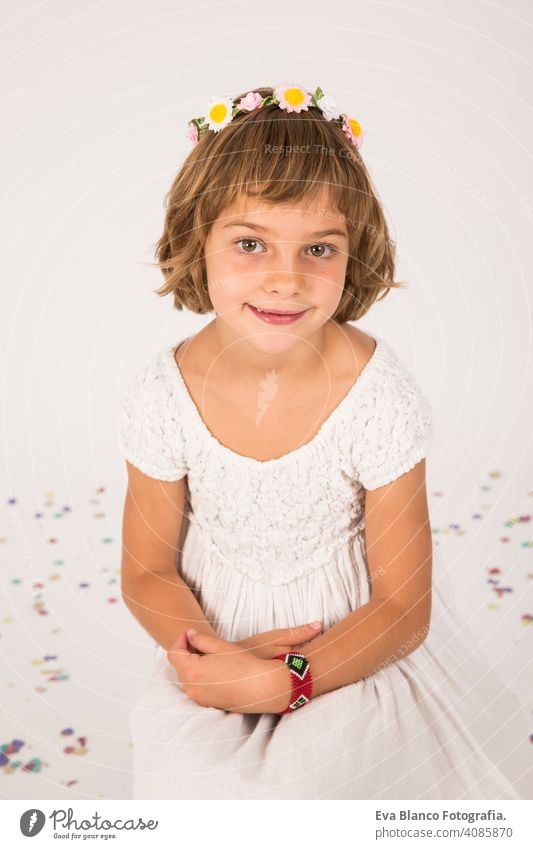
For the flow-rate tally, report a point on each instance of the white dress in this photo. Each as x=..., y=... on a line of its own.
x=277, y=543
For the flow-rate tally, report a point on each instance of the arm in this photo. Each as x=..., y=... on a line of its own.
x=393, y=623
x=151, y=587
x=396, y=619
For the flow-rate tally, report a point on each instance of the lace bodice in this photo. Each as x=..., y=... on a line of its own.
x=276, y=520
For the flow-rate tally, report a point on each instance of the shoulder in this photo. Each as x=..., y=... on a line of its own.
x=151, y=376
x=393, y=424
x=396, y=385
x=150, y=423
x=153, y=389
x=351, y=350
x=363, y=344
x=385, y=377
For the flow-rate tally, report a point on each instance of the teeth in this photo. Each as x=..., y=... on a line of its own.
x=273, y=312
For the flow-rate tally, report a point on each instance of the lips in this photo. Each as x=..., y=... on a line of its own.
x=277, y=312
x=277, y=318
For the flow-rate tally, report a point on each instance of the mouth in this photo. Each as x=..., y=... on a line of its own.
x=277, y=312
x=278, y=317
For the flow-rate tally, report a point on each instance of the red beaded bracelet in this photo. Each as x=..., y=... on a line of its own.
x=302, y=680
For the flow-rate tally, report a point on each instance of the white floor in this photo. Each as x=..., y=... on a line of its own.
x=70, y=675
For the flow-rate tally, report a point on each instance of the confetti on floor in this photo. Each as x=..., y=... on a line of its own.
x=51, y=673
x=67, y=577
x=494, y=571
x=77, y=750
x=453, y=528
x=8, y=765
x=516, y=520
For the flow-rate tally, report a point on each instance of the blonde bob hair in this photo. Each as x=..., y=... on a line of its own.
x=244, y=159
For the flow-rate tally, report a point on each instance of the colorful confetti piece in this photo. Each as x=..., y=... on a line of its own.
x=77, y=750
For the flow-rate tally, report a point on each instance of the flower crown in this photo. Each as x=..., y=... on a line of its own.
x=222, y=110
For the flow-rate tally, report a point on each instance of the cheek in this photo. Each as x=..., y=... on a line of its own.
x=228, y=281
x=332, y=288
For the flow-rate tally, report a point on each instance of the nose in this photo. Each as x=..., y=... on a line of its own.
x=285, y=277
x=285, y=285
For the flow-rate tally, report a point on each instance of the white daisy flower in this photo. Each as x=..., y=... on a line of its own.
x=219, y=112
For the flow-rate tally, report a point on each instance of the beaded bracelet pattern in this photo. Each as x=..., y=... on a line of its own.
x=302, y=680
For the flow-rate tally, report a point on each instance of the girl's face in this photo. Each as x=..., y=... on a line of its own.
x=282, y=257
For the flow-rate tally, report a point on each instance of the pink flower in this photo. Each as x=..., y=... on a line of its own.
x=252, y=101
x=192, y=133
x=352, y=129
x=292, y=98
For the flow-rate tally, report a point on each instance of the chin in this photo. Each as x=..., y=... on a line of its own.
x=273, y=340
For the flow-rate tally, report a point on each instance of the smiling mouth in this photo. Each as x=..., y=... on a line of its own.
x=278, y=312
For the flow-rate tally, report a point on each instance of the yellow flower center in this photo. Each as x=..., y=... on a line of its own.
x=294, y=96
x=218, y=113
x=355, y=126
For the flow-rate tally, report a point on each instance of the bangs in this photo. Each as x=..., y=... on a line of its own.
x=282, y=157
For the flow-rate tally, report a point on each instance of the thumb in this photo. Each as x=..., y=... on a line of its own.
x=208, y=643
x=301, y=633
x=295, y=634
x=178, y=649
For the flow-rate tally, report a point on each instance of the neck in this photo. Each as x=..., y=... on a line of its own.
x=239, y=357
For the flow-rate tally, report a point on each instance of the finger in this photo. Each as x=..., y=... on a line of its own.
x=178, y=649
x=297, y=632
x=207, y=643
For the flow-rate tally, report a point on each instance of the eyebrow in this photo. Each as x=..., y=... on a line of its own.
x=317, y=234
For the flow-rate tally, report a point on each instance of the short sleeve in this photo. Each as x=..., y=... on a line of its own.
x=398, y=427
x=151, y=436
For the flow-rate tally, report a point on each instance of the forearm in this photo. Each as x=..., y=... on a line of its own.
x=368, y=639
x=165, y=606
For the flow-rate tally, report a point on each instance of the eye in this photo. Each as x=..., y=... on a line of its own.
x=247, y=242
x=330, y=248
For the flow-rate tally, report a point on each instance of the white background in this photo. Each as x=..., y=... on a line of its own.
x=94, y=103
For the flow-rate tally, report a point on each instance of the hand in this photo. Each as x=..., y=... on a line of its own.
x=229, y=677
x=267, y=644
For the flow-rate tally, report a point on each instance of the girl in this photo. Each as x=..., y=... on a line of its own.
x=276, y=476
